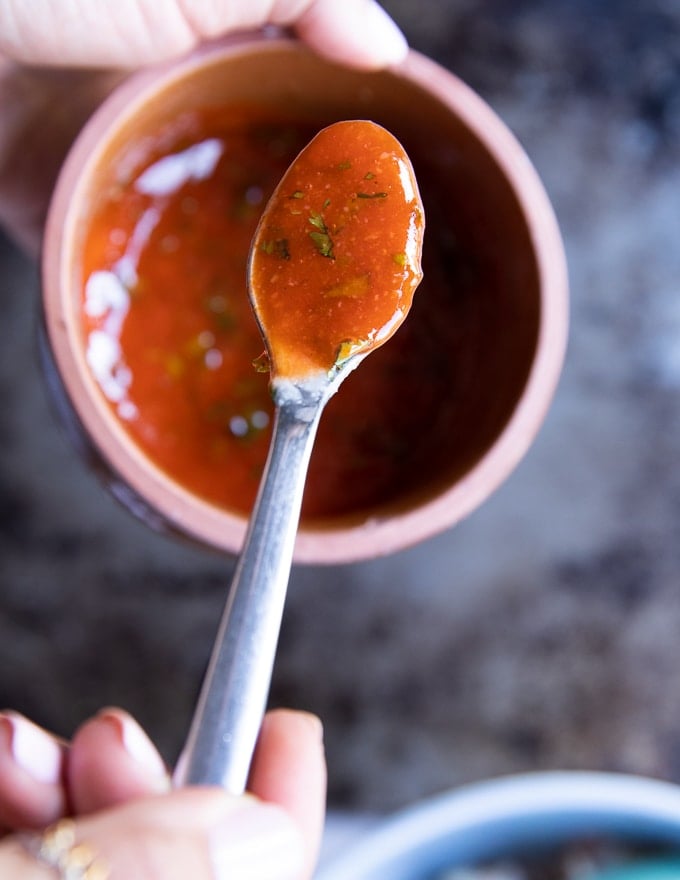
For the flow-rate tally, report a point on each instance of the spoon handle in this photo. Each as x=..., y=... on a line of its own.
x=233, y=699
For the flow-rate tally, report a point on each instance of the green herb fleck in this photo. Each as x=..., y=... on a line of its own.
x=298, y=194
x=317, y=220
x=262, y=363
x=326, y=203
x=369, y=175
x=345, y=165
x=399, y=259
x=277, y=247
x=380, y=195
x=324, y=243
x=352, y=288
x=321, y=238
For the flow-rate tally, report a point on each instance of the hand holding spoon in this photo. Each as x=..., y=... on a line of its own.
x=333, y=267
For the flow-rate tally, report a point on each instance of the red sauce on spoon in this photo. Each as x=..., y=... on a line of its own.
x=336, y=257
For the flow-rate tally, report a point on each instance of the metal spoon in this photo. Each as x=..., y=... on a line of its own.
x=231, y=706
x=230, y=709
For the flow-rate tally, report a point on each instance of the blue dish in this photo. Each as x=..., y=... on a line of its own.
x=508, y=816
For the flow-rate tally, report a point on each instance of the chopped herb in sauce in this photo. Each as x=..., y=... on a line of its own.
x=353, y=287
x=277, y=247
x=317, y=220
x=261, y=363
x=323, y=243
x=321, y=237
x=379, y=195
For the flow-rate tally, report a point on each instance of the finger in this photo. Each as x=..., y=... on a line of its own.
x=204, y=834
x=31, y=761
x=133, y=32
x=356, y=32
x=112, y=760
x=289, y=769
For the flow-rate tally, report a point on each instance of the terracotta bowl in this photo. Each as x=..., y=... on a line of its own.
x=492, y=245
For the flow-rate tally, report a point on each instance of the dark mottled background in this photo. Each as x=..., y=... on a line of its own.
x=542, y=632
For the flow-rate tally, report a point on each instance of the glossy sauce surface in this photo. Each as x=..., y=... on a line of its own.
x=336, y=257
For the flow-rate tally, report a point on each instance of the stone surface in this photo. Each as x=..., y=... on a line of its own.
x=543, y=631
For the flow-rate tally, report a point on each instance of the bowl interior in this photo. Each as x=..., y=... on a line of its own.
x=457, y=370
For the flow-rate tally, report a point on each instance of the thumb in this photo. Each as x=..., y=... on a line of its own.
x=204, y=834
x=129, y=33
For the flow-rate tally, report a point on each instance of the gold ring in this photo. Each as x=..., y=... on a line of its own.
x=56, y=848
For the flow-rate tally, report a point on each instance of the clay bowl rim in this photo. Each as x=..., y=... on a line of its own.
x=223, y=529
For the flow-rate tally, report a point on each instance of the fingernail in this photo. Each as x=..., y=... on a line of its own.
x=137, y=745
x=32, y=749
x=256, y=841
x=388, y=43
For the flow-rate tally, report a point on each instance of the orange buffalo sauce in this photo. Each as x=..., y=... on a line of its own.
x=336, y=257
x=170, y=336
